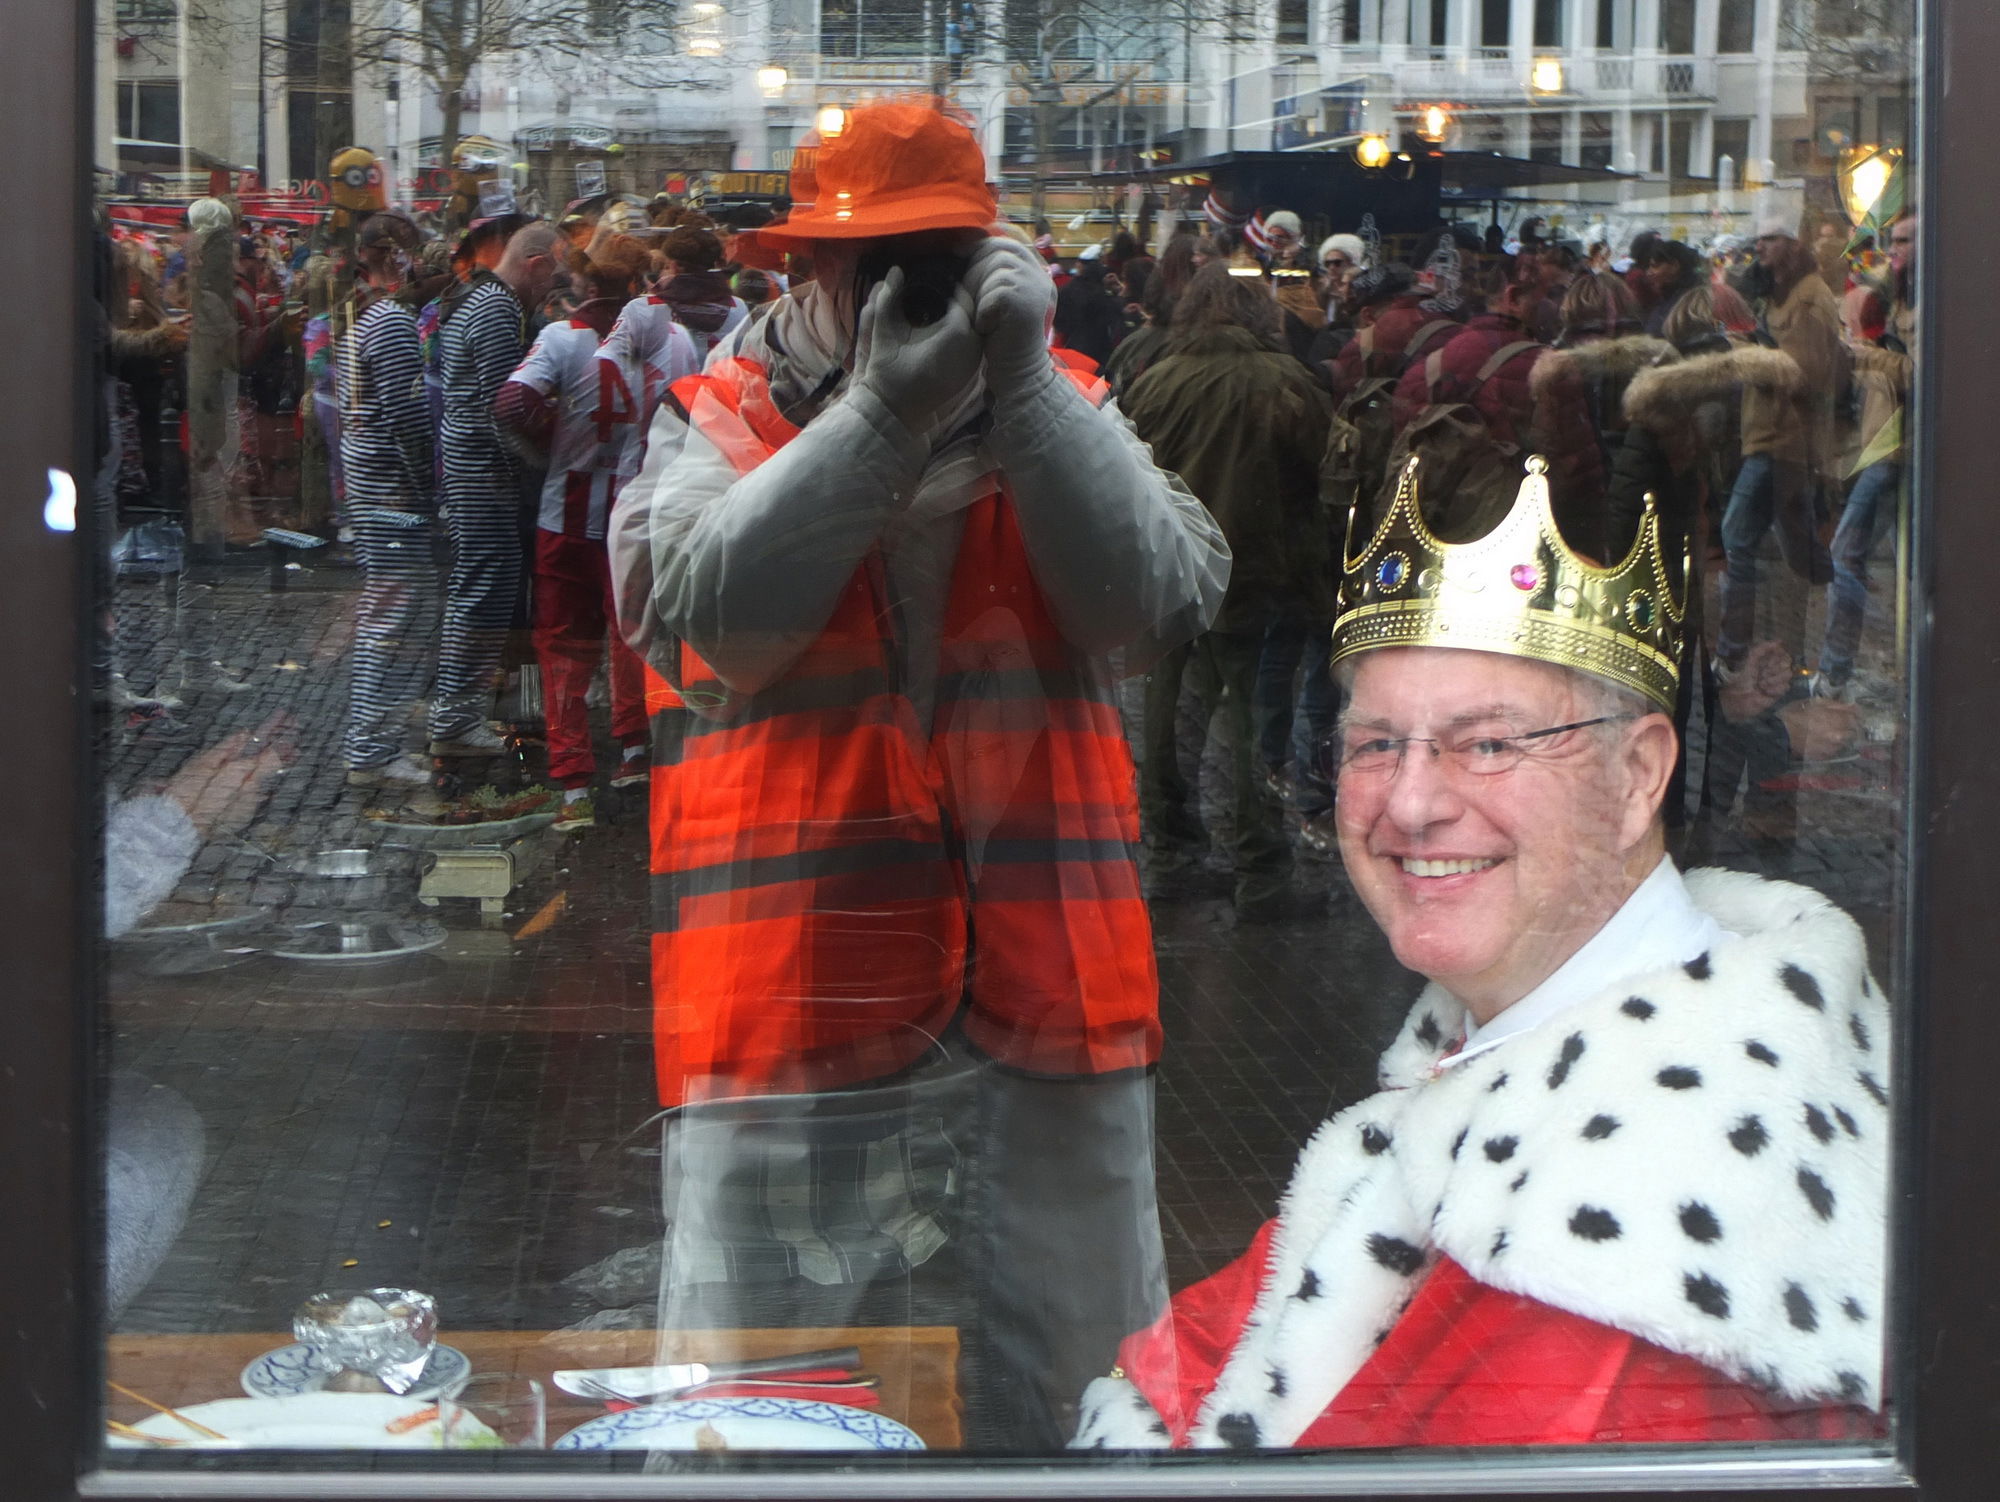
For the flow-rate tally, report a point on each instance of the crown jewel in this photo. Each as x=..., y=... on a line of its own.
x=1519, y=590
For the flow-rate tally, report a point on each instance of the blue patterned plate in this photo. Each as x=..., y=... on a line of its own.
x=742, y=1424
x=288, y=1372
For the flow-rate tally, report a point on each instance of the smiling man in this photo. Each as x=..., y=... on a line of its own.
x=1625, y=1180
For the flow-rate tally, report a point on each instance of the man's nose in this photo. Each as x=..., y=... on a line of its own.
x=1421, y=790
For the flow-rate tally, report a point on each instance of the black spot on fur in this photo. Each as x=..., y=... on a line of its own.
x=1639, y=1007
x=1813, y=1187
x=1568, y=1054
x=1799, y=1308
x=1374, y=1141
x=1699, y=968
x=1499, y=1245
x=1679, y=1077
x=1817, y=1124
x=1707, y=1295
x=1458, y=1142
x=1238, y=1431
x=1500, y=1149
x=1699, y=1222
x=1873, y=1087
x=1395, y=1254
x=1748, y=1137
x=1499, y=1080
x=1802, y=984
x=1277, y=1382
x=1592, y=1224
x=1519, y=1179
x=1308, y=1286
x=1851, y=1307
x=1852, y=1387
x=1858, y=1030
x=1847, y=1124
x=1760, y=1053
x=1427, y=1030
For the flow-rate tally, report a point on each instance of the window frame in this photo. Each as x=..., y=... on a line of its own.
x=1946, y=1263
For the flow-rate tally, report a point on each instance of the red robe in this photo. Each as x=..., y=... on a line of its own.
x=1468, y=1364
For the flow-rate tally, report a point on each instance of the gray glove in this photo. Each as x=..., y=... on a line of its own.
x=1014, y=300
x=917, y=373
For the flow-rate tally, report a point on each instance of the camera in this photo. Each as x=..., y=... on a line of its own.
x=933, y=264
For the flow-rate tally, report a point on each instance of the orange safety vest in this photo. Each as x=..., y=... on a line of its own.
x=830, y=888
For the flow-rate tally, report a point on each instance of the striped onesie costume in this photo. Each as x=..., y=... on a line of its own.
x=478, y=348
x=385, y=458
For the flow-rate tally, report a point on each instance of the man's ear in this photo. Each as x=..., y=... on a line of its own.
x=1647, y=759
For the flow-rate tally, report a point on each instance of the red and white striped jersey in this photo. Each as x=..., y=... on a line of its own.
x=649, y=352
x=592, y=451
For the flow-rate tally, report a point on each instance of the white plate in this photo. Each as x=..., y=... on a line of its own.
x=288, y=1371
x=748, y=1424
x=311, y=1421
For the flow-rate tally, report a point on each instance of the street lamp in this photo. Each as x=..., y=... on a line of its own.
x=704, y=34
x=1866, y=173
x=1434, y=123
x=830, y=121
x=1372, y=151
x=772, y=80
x=1546, y=76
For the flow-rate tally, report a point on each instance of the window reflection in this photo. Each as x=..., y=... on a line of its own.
x=791, y=698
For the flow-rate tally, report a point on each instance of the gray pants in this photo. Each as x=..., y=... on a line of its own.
x=823, y=1211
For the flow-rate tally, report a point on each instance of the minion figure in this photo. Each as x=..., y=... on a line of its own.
x=355, y=184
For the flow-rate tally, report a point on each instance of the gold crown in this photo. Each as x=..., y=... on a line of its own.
x=1518, y=590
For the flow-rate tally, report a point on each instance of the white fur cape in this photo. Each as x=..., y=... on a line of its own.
x=1697, y=1156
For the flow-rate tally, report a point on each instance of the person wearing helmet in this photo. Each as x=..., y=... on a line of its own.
x=880, y=560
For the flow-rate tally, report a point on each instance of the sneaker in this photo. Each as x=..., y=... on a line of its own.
x=576, y=813
x=633, y=774
x=403, y=771
x=479, y=740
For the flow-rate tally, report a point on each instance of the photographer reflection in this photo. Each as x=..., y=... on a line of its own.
x=877, y=561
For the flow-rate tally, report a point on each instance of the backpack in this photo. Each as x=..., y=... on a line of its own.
x=1469, y=475
x=1364, y=431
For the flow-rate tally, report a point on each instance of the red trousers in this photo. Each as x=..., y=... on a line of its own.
x=573, y=614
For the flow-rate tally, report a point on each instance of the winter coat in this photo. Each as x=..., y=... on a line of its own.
x=1246, y=427
x=1797, y=427
x=1386, y=347
x=1089, y=319
x=1680, y=439
x=1661, y=1214
x=1552, y=420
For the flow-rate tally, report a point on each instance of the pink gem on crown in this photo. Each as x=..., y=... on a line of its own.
x=1525, y=576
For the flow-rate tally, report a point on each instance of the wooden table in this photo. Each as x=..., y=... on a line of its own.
x=918, y=1365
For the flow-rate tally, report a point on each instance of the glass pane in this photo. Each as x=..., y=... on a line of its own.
x=930, y=727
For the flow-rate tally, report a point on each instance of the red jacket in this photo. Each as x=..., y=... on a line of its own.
x=1381, y=348
x=1554, y=422
x=1470, y=1365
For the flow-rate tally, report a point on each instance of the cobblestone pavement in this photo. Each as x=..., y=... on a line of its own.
x=478, y=1121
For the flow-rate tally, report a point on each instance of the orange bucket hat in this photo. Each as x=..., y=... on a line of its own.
x=897, y=168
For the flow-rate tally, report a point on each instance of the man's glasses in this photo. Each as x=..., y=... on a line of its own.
x=1475, y=752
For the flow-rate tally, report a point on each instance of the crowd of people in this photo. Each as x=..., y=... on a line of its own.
x=865, y=513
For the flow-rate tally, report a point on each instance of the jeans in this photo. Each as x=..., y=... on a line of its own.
x=1288, y=737
x=1853, y=539
x=1228, y=659
x=1767, y=490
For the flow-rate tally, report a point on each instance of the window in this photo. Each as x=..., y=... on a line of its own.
x=1736, y=27
x=1549, y=23
x=916, y=907
x=149, y=111
x=1677, y=27
x=1732, y=140
x=1495, y=20
x=1294, y=23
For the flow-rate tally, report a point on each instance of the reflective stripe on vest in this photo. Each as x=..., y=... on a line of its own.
x=830, y=888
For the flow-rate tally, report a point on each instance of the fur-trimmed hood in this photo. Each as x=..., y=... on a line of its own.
x=1665, y=396
x=1697, y=1156
x=1602, y=360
